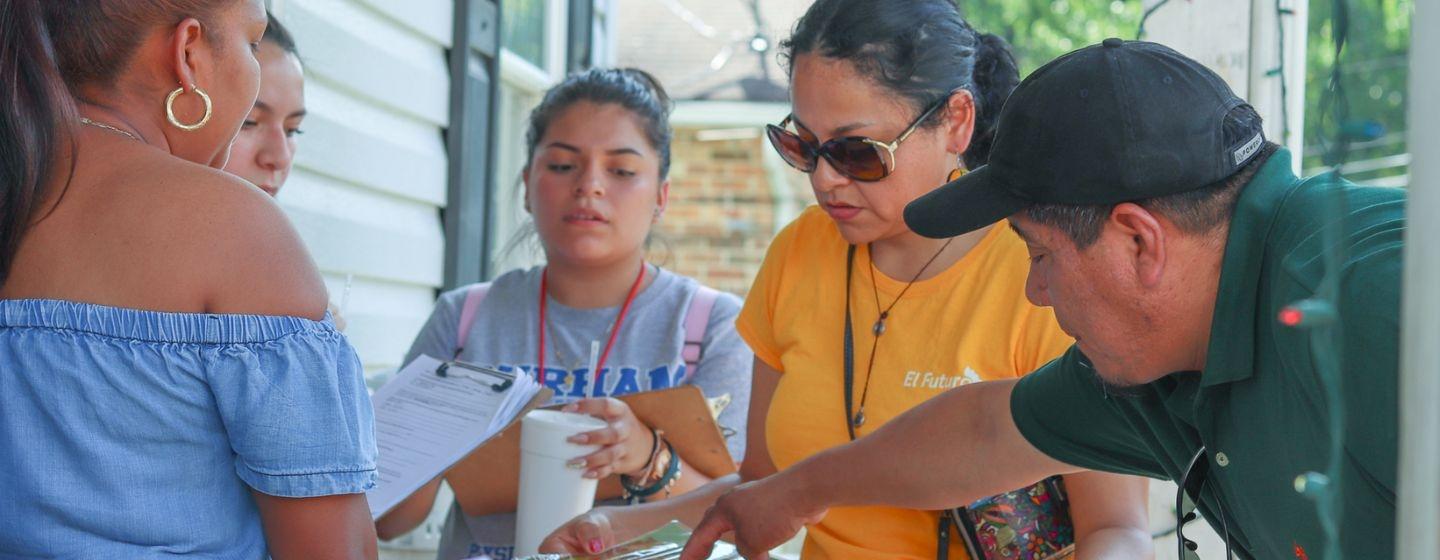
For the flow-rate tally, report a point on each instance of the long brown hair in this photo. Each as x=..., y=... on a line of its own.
x=39, y=73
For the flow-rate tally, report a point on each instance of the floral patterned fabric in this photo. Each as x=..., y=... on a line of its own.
x=1031, y=523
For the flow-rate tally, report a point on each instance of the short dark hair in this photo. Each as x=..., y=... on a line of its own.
x=635, y=90
x=276, y=33
x=922, y=50
x=1196, y=211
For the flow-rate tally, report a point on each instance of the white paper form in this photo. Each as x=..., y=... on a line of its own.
x=424, y=423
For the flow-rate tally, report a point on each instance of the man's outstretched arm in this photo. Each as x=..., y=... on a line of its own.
x=954, y=449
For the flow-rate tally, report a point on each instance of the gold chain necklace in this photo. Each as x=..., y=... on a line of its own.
x=84, y=120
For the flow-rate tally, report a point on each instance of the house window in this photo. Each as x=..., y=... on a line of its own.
x=524, y=31
x=532, y=59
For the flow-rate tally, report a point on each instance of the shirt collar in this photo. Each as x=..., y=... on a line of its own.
x=1231, y=354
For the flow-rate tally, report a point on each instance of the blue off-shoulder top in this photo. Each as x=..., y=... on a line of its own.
x=141, y=434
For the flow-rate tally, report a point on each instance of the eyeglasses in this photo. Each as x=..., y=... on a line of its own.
x=1186, y=498
x=856, y=157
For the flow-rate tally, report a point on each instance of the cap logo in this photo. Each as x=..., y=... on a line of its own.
x=1244, y=152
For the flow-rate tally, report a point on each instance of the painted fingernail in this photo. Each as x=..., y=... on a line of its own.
x=595, y=545
x=592, y=474
x=576, y=464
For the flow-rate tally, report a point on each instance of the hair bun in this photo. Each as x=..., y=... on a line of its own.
x=995, y=75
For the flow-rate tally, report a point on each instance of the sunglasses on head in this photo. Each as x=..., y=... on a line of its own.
x=1186, y=498
x=856, y=157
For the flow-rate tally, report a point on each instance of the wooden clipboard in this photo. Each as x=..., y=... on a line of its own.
x=488, y=479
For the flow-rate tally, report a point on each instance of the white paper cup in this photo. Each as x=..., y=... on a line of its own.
x=550, y=492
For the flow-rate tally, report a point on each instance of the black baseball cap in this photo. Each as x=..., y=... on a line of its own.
x=1109, y=123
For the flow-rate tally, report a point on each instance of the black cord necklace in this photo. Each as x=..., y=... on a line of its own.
x=857, y=419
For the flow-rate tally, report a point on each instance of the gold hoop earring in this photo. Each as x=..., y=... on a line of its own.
x=170, y=109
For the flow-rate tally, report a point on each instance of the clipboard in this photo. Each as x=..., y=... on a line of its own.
x=467, y=370
x=433, y=414
x=487, y=480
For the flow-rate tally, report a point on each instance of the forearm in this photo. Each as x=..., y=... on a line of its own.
x=1111, y=515
x=689, y=481
x=926, y=458
x=409, y=514
x=1115, y=542
x=687, y=508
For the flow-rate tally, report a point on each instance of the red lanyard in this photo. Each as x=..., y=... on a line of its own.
x=614, y=332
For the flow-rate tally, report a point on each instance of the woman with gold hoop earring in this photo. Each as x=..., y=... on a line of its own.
x=171, y=379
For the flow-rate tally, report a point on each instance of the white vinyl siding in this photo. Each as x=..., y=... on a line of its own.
x=370, y=174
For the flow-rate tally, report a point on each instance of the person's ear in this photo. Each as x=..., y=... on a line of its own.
x=1143, y=237
x=959, y=121
x=662, y=200
x=190, y=53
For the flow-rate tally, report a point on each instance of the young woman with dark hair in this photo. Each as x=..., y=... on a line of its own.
x=596, y=182
x=264, y=150
x=890, y=98
x=171, y=383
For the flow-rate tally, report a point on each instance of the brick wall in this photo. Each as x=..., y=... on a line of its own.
x=722, y=210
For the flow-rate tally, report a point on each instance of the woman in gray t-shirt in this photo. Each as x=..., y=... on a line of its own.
x=595, y=184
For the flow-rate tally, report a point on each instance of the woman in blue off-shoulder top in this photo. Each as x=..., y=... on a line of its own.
x=170, y=383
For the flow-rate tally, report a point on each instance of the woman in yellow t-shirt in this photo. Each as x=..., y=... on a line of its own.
x=887, y=96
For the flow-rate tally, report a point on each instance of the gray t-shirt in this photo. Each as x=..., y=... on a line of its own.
x=646, y=357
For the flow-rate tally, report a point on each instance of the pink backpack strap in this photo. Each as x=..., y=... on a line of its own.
x=474, y=296
x=697, y=319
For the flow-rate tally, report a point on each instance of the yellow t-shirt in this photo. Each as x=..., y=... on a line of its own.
x=969, y=323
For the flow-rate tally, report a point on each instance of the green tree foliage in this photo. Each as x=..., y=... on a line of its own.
x=1040, y=30
x=1374, y=69
x=1374, y=65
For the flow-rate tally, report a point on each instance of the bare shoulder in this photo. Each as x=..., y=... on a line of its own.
x=245, y=255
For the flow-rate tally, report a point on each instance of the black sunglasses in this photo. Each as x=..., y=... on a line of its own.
x=856, y=157
x=1186, y=499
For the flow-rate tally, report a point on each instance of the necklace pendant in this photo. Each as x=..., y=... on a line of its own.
x=859, y=419
x=879, y=327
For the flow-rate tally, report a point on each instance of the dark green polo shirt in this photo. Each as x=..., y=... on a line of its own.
x=1259, y=406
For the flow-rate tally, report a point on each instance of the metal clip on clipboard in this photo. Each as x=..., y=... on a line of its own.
x=506, y=379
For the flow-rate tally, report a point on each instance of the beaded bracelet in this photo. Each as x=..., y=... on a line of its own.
x=635, y=493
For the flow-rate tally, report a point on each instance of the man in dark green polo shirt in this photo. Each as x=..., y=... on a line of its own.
x=1225, y=312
